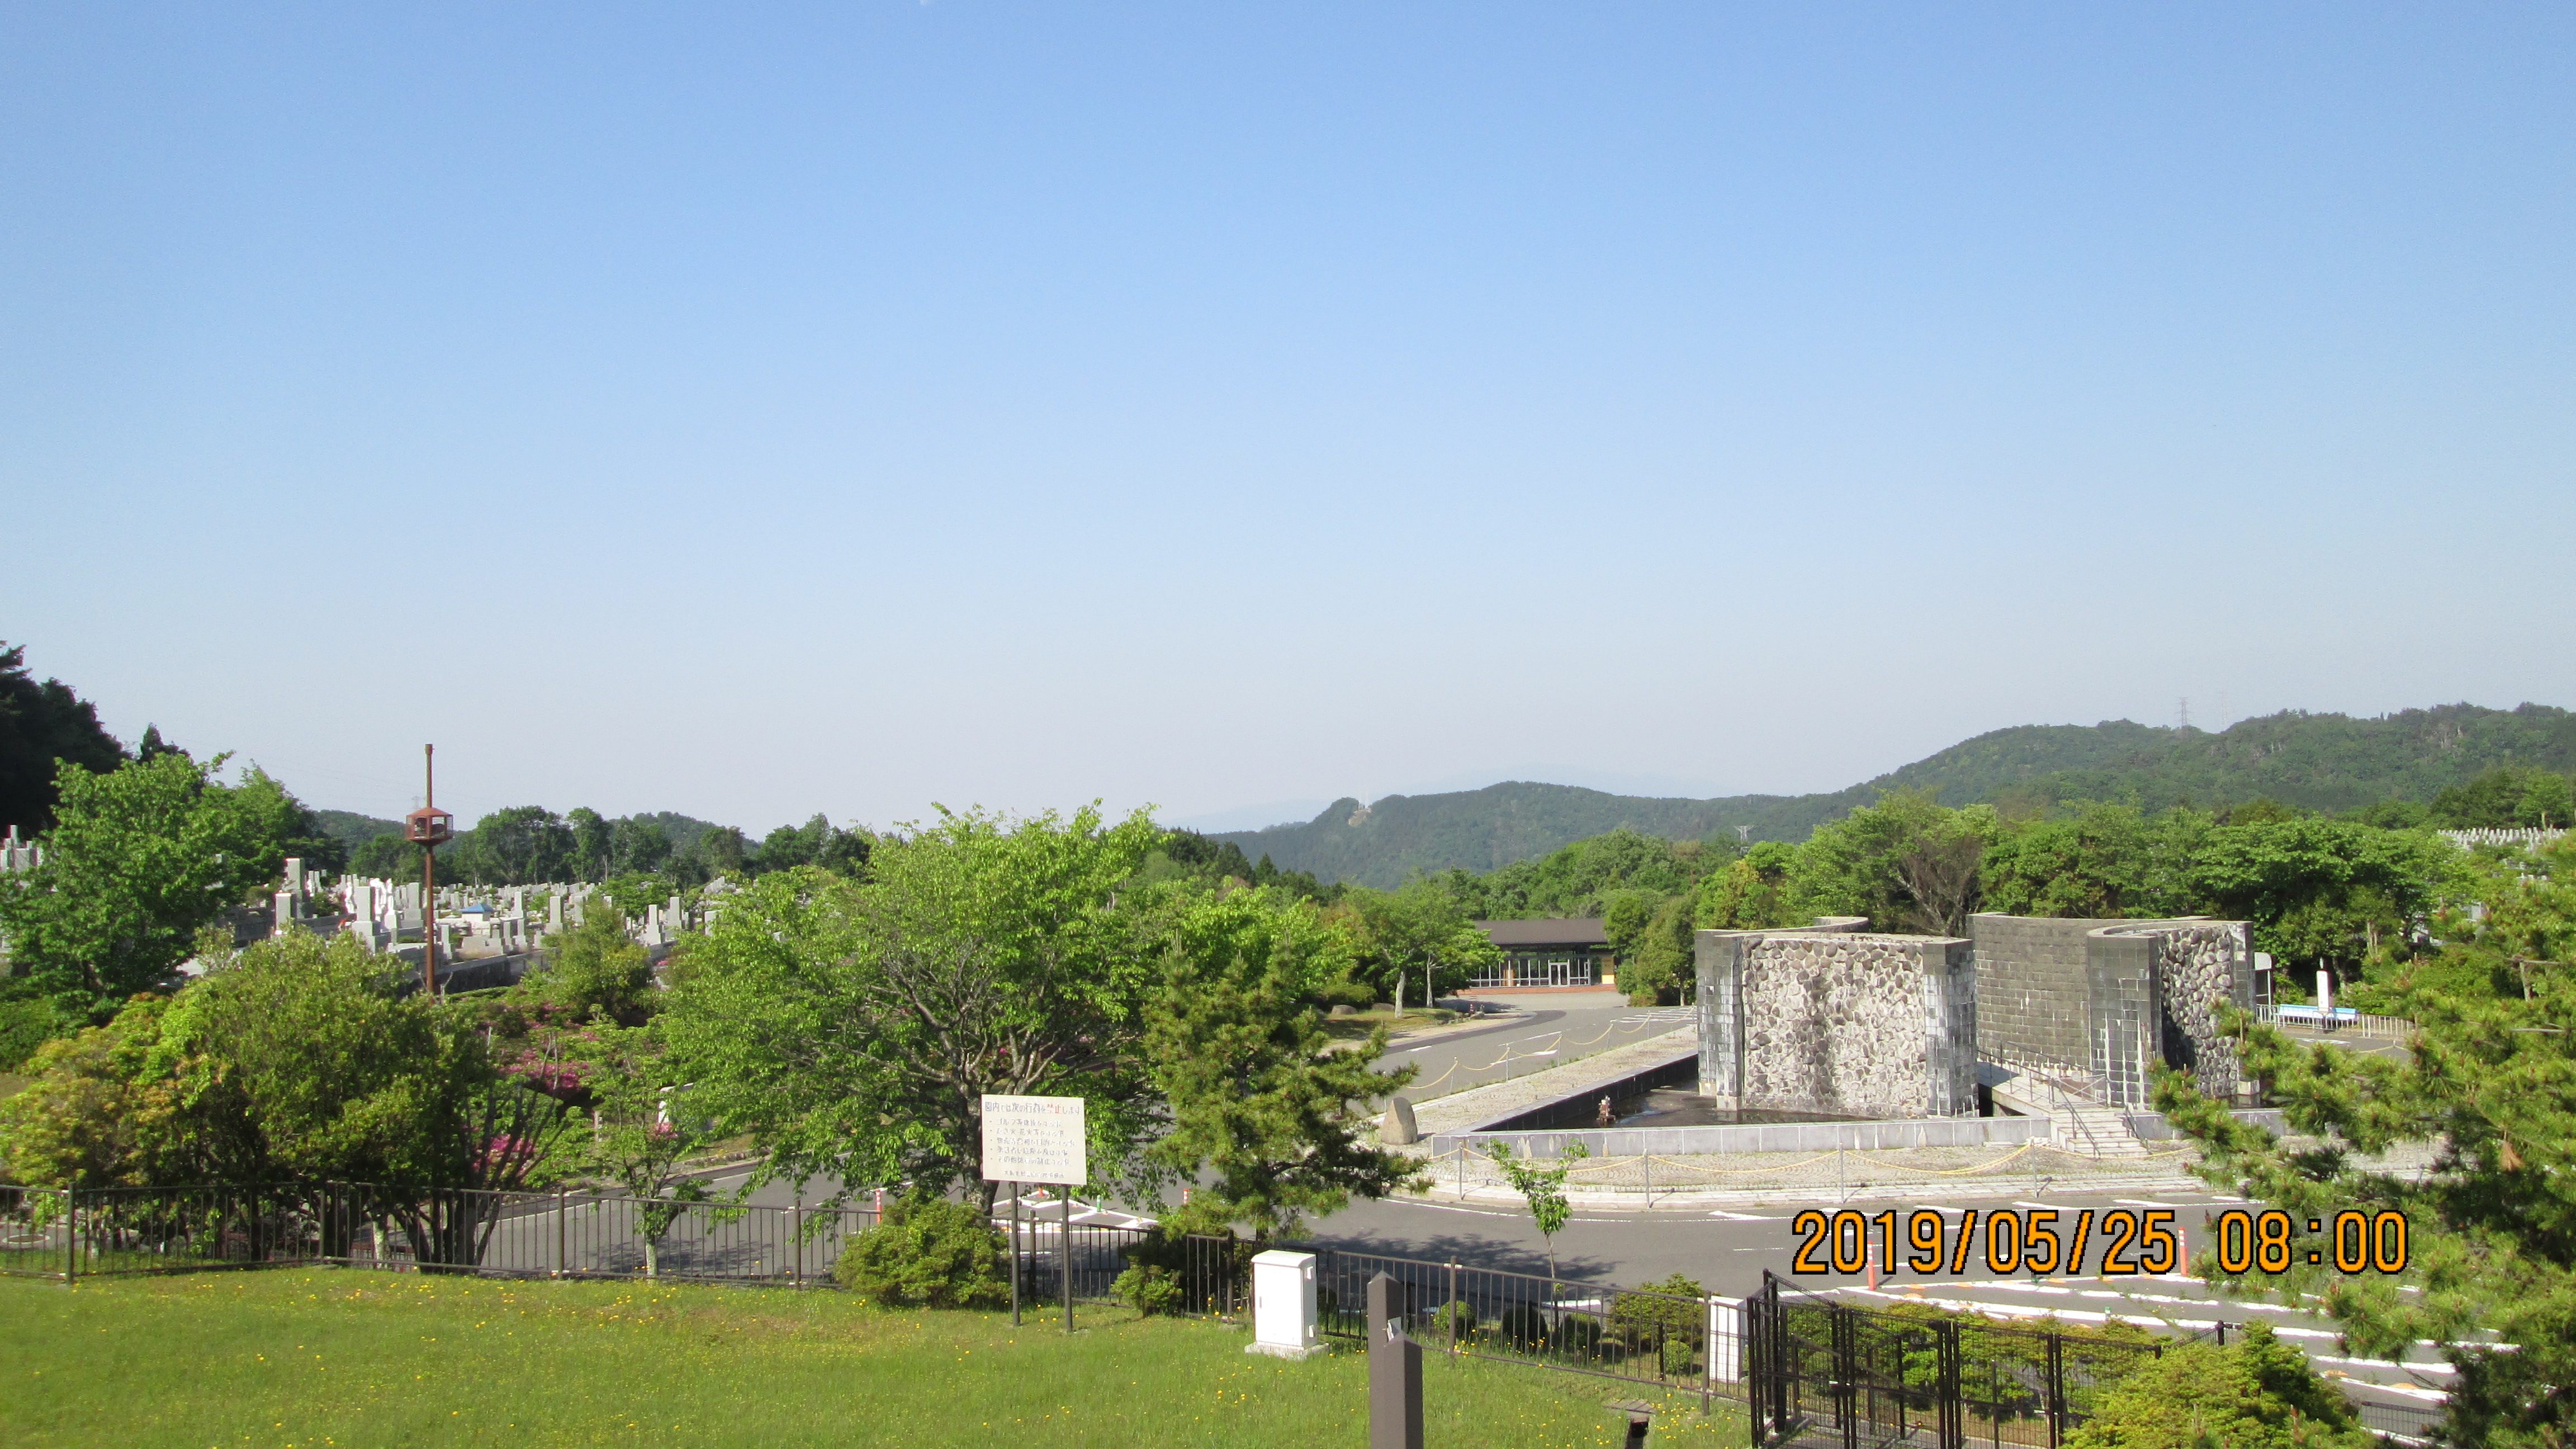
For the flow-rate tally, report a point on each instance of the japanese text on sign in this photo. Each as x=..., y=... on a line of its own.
x=1035, y=1139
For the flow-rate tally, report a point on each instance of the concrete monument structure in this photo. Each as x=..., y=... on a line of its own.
x=1836, y=1020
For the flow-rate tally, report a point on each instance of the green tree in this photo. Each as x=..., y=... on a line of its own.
x=2319, y=888
x=1542, y=1189
x=853, y=1028
x=2256, y=1393
x=96, y=1113
x=2490, y=1084
x=1624, y=914
x=1659, y=969
x=2506, y=797
x=1258, y=1096
x=43, y=727
x=345, y=1079
x=637, y=846
x=1750, y=892
x=387, y=856
x=1906, y=863
x=293, y=1059
x=640, y=1133
x=139, y=859
x=1418, y=929
x=591, y=834
x=596, y=971
x=522, y=845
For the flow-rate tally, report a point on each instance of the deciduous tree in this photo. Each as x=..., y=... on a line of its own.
x=854, y=1028
x=140, y=858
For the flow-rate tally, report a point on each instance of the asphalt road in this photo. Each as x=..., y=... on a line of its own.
x=1539, y=1032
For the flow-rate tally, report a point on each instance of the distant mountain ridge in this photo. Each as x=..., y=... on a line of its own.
x=2319, y=761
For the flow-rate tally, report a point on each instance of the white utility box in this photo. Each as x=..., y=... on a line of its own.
x=1283, y=1306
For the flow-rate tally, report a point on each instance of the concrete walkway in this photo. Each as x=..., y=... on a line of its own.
x=1461, y=1111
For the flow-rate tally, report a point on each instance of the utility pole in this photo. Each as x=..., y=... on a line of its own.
x=429, y=827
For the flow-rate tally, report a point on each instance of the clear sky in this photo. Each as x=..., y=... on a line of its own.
x=752, y=410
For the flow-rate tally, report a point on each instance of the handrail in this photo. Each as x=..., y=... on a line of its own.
x=2060, y=1096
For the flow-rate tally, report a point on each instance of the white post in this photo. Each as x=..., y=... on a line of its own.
x=2325, y=996
x=1725, y=1341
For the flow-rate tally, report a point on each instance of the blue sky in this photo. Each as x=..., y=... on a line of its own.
x=759, y=410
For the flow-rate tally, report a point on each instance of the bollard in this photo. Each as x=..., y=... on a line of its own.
x=1395, y=1370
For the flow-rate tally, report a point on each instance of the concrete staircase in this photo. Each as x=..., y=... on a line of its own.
x=2080, y=1122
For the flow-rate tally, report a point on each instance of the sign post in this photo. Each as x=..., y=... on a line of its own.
x=1039, y=1139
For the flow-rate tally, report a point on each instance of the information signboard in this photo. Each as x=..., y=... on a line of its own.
x=1035, y=1139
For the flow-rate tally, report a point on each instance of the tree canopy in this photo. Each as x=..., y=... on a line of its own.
x=42, y=728
x=853, y=1027
x=2490, y=1083
x=141, y=857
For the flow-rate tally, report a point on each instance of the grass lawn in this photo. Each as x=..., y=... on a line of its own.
x=323, y=1357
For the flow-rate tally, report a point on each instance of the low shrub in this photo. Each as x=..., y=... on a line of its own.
x=2257, y=1393
x=1148, y=1288
x=928, y=1251
x=1456, y=1320
x=1524, y=1326
x=1355, y=995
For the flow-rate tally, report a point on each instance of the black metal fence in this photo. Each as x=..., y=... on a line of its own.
x=96, y=1231
x=1677, y=1342
x=1810, y=1369
x=1824, y=1372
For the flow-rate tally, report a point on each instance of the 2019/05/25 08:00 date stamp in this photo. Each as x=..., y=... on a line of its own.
x=2043, y=1240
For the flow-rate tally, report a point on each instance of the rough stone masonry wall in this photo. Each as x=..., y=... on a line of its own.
x=1858, y=1025
x=2198, y=966
x=1718, y=962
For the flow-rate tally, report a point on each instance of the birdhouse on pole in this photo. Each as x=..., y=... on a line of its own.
x=429, y=826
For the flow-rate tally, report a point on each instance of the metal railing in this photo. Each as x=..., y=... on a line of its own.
x=1805, y=1364
x=51, y=1233
x=1687, y=1343
x=2339, y=1019
x=101, y=1231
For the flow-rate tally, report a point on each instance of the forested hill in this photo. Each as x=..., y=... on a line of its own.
x=2319, y=761
x=353, y=830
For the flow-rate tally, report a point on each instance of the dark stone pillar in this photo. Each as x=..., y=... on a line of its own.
x=1395, y=1370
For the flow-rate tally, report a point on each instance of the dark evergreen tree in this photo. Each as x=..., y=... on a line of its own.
x=43, y=726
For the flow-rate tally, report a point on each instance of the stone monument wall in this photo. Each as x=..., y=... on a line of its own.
x=1843, y=1023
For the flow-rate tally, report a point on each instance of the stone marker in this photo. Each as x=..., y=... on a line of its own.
x=1395, y=1370
x=1396, y=1128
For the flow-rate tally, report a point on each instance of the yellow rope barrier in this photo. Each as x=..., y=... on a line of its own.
x=1949, y=1171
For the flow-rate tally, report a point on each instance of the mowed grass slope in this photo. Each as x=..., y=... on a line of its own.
x=323, y=1358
